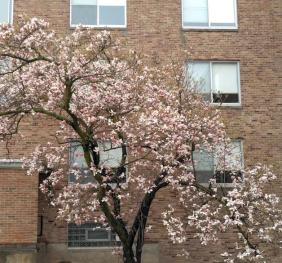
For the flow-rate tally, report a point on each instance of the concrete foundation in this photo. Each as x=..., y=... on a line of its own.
x=60, y=253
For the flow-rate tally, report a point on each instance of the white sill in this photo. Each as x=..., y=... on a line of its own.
x=235, y=105
x=209, y=28
x=100, y=27
x=223, y=185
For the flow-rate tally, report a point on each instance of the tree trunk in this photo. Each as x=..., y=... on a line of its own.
x=128, y=255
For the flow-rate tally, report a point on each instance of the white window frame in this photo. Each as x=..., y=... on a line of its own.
x=211, y=62
x=209, y=27
x=11, y=12
x=228, y=185
x=101, y=26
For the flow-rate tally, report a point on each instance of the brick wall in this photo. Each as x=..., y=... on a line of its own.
x=18, y=208
x=154, y=27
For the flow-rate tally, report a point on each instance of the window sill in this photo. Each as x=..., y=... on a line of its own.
x=227, y=105
x=121, y=28
x=219, y=185
x=206, y=29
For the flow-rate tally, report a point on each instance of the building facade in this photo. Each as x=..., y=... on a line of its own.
x=234, y=41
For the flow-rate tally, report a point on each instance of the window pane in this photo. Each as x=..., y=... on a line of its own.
x=229, y=157
x=98, y=234
x=77, y=156
x=204, y=160
x=222, y=12
x=200, y=73
x=235, y=158
x=195, y=12
x=204, y=165
x=77, y=160
x=4, y=11
x=229, y=162
x=84, y=14
x=112, y=15
x=225, y=82
x=110, y=156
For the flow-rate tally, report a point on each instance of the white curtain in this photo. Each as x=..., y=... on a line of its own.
x=225, y=78
x=222, y=12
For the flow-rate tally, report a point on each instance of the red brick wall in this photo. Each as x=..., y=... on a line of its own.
x=18, y=207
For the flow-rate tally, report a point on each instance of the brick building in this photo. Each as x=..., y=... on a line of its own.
x=229, y=40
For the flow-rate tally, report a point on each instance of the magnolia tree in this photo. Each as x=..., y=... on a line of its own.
x=99, y=93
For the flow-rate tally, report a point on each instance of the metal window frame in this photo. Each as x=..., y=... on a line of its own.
x=209, y=27
x=98, y=25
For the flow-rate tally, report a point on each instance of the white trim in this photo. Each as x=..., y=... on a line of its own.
x=101, y=26
x=209, y=27
x=11, y=12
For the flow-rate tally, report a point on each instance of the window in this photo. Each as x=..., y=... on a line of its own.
x=11, y=163
x=98, y=13
x=6, y=11
x=218, y=165
x=211, y=14
x=219, y=82
x=109, y=157
x=91, y=235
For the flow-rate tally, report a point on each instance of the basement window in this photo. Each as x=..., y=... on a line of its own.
x=91, y=235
